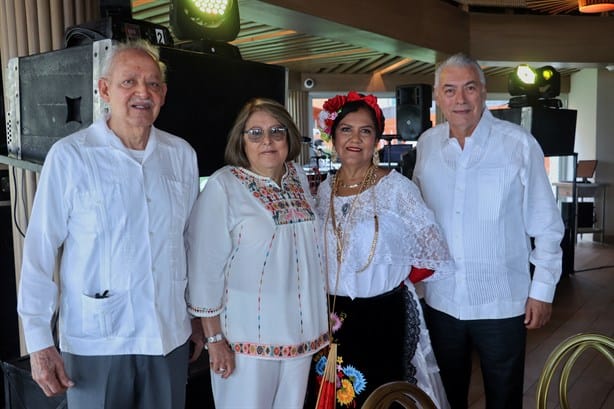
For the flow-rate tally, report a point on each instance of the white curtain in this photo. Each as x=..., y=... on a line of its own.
x=298, y=105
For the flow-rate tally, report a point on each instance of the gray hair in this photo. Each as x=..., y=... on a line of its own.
x=139, y=45
x=459, y=60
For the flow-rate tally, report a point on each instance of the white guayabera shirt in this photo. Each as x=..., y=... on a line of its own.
x=121, y=224
x=489, y=199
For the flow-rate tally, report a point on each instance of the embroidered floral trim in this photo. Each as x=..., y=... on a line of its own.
x=203, y=311
x=279, y=351
x=350, y=381
x=287, y=205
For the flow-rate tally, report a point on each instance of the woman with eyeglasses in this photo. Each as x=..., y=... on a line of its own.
x=255, y=268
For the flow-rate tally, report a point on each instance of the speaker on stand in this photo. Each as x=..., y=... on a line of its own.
x=413, y=110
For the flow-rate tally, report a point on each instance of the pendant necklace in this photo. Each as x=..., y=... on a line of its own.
x=341, y=232
x=345, y=208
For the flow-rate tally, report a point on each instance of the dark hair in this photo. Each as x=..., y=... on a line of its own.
x=235, y=151
x=354, y=106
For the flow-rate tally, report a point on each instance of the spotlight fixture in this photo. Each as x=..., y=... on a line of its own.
x=534, y=84
x=216, y=20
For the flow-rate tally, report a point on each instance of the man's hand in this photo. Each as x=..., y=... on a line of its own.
x=537, y=313
x=197, y=339
x=48, y=371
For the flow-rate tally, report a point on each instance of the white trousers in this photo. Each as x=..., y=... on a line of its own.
x=262, y=384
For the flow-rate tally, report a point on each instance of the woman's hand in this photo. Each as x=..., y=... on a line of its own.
x=221, y=358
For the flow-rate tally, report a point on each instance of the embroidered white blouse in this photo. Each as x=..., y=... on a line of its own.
x=254, y=259
x=408, y=236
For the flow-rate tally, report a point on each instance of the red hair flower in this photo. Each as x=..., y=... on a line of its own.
x=333, y=106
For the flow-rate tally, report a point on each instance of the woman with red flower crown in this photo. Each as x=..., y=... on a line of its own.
x=379, y=238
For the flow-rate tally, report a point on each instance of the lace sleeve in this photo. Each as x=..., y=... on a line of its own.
x=428, y=245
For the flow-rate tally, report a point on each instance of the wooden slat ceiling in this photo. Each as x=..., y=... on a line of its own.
x=310, y=54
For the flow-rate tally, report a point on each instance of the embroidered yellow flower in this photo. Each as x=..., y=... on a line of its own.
x=345, y=394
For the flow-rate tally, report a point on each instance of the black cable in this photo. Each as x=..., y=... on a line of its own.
x=15, y=204
x=79, y=35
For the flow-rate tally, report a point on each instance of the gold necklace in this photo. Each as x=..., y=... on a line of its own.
x=352, y=186
x=368, y=180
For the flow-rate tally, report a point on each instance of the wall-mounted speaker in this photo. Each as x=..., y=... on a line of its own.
x=413, y=110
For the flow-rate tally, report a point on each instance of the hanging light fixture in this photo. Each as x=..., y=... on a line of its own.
x=595, y=6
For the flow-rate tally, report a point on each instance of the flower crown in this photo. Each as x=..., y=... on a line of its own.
x=332, y=107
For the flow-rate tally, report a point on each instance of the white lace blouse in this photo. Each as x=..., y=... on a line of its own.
x=408, y=236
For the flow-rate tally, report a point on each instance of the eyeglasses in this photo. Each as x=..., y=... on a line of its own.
x=276, y=133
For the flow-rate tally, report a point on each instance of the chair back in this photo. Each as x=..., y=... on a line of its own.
x=404, y=393
x=568, y=352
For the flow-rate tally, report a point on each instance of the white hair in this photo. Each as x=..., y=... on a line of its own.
x=139, y=45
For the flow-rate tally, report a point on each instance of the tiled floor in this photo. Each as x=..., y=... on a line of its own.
x=584, y=302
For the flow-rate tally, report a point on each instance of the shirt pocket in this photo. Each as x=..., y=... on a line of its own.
x=86, y=215
x=89, y=214
x=176, y=195
x=490, y=188
x=107, y=317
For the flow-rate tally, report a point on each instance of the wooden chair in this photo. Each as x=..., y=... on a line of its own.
x=570, y=349
x=404, y=393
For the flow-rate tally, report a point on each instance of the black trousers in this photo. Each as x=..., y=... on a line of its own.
x=500, y=344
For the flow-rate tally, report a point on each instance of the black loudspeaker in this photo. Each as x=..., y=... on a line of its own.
x=586, y=214
x=413, y=110
x=117, y=28
x=554, y=128
x=209, y=87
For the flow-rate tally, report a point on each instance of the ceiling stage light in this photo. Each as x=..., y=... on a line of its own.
x=216, y=20
x=534, y=84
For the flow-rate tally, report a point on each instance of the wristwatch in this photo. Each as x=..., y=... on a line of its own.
x=213, y=339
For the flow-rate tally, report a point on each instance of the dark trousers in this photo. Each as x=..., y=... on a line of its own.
x=500, y=344
x=128, y=381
